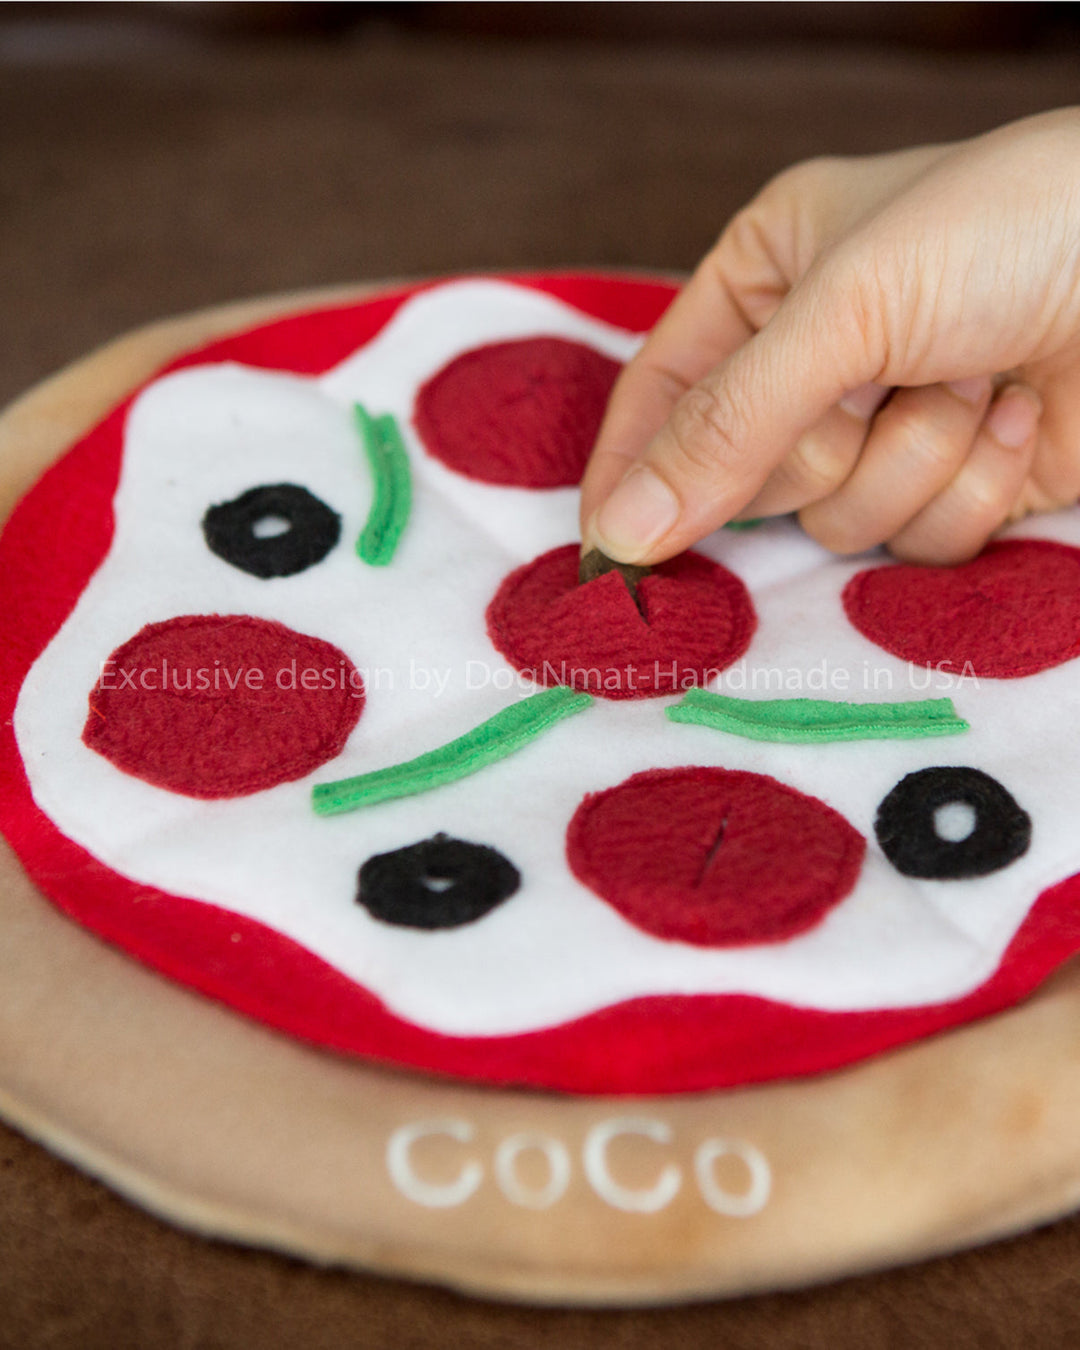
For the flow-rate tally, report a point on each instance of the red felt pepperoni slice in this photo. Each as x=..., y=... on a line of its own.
x=696, y=618
x=716, y=857
x=222, y=705
x=520, y=414
x=1012, y=611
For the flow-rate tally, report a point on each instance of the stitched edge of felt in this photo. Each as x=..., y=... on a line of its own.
x=64, y=527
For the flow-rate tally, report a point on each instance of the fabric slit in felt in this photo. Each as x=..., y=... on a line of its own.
x=714, y=857
x=695, y=619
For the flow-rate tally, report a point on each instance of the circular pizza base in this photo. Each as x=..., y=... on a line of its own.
x=237, y=1132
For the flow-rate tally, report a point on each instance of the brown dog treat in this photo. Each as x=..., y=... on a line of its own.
x=594, y=564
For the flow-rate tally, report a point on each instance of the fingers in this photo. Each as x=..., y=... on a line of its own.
x=823, y=457
x=980, y=499
x=942, y=469
x=726, y=435
x=917, y=445
x=686, y=427
x=703, y=325
x=933, y=278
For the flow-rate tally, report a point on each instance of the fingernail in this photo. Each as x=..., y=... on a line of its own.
x=640, y=511
x=864, y=402
x=972, y=390
x=1013, y=418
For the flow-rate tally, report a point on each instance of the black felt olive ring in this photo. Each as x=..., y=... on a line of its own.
x=906, y=830
x=438, y=883
x=313, y=530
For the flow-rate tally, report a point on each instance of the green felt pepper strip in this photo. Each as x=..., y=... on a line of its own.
x=392, y=499
x=806, y=720
x=492, y=740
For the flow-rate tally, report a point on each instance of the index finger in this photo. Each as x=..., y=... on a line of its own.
x=701, y=328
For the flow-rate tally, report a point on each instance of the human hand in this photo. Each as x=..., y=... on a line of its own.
x=889, y=346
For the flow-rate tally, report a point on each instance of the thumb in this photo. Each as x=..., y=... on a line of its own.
x=727, y=433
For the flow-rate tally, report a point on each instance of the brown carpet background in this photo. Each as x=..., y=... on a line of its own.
x=150, y=166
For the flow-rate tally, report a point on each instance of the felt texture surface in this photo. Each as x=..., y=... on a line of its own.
x=999, y=830
x=222, y=705
x=808, y=720
x=502, y=734
x=692, y=855
x=522, y=414
x=1012, y=611
x=685, y=622
x=392, y=494
x=438, y=883
x=284, y=144
x=272, y=531
x=231, y=1101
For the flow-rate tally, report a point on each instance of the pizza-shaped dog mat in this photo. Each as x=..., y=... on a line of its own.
x=389, y=896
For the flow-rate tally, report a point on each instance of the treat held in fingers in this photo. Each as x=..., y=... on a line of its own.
x=837, y=355
x=596, y=564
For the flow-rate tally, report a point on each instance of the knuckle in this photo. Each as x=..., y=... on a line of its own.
x=743, y=224
x=934, y=550
x=672, y=385
x=798, y=178
x=864, y=288
x=777, y=227
x=742, y=250
x=985, y=496
x=835, y=531
x=703, y=430
x=1042, y=492
x=816, y=467
x=919, y=439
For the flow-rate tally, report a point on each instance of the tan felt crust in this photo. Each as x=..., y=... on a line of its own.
x=232, y=1130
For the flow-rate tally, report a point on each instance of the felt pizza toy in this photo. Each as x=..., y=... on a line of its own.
x=309, y=710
